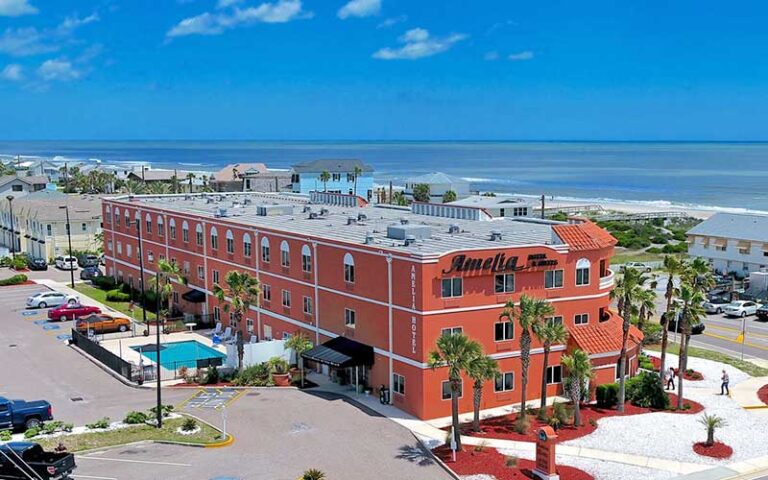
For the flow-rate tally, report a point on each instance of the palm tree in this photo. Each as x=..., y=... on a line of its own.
x=647, y=302
x=242, y=290
x=579, y=368
x=481, y=369
x=454, y=352
x=692, y=313
x=299, y=343
x=711, y=422
x=530, y=312
x=190, y=177
x=673, y=267
x=162, y=283
x=325, y=176
x=628, y=289
x=357, y=172
x=548, y=333
x=312, y=474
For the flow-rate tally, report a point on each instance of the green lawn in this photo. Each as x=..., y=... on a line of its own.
x=138, y=433
x=746, y=367
x=101, y=296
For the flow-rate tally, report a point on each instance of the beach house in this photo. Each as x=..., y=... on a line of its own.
x=348, y=176
x=732, y=242
x=438, y=184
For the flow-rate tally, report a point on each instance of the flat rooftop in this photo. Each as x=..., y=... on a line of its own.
x=356, y=225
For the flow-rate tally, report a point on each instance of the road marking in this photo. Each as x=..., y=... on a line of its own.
x=91, y=476
x=732, y=329
x=729, y=339
x=145, y=462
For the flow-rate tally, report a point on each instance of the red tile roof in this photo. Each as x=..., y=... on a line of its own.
x=584, y=236
x=603, y=337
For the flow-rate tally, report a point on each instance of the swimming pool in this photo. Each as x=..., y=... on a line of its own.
x=180, y=354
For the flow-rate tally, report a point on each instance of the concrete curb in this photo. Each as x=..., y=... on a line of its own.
x=434, y=457
x=224, y=443
x=112, y=373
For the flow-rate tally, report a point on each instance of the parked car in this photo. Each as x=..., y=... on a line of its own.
x=25, y=460
x=50, y=299
x=66, y=263
x=88, y=273
x=762, y=312
x=88, y=260
x=715, y=304
x=37, y=263
x=71, y=311
x=741, y=308
x=637, y=266
x=21, y=415
x=103, y=323
x=697, y=329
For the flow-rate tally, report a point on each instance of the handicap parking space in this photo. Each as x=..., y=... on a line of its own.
x=213, y=398
x=16, y=297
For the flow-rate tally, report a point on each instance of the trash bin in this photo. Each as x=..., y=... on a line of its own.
x=384, y=395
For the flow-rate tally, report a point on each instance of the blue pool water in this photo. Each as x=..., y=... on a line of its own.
x=179, y=354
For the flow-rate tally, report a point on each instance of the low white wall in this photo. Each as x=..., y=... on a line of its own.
x=255, y=353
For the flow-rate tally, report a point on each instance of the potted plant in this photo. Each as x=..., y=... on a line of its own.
x=279, y=371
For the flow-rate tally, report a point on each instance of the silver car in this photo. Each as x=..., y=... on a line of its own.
x=741, y=308
x=50, y=299
x=714, y=305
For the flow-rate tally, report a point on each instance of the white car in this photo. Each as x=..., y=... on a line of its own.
x=51, y=299
x=637, y=266
x=741, y=308
x=715, y=305
x=66, y=263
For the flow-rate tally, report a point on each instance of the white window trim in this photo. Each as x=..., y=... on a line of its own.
x=461, y=392
x=581, y=314
x=552, y=367
x=504, y=390
x=553, y=272
x=452, y=279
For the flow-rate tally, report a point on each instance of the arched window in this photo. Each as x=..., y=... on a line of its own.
x=265, y=249
x=199, y=234
x=285, y=254
x=306, y=259
x=117, y=216
x=160, y=229
x=214, y=238
x=108, y=214
x=172, y=229
x=230, y=242
x=582, y=272
x=137, y=219
x=247, y=245
x=148, y=221
x=349, y=268
x=127, y=219
x=185, y=232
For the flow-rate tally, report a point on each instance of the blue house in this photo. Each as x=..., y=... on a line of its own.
x=305, y=177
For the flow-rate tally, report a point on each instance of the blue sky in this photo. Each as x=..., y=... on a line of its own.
x=383, y=69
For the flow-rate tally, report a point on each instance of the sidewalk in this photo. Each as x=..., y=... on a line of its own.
x=745, y=394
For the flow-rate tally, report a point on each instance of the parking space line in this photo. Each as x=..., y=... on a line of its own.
x=145, y=462
x=237, y=396
x=185, y=402
x=93, y=477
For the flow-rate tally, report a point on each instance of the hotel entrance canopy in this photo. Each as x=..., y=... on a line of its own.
x=194, y=296
x=341, y=352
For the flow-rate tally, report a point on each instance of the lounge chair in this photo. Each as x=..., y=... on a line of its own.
x=227, y=334
x=217, y=330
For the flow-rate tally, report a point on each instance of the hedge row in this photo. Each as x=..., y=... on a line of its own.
x=14, y=280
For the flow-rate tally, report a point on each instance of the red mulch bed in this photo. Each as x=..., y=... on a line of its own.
x=719, y=450
x=199, y=385
x=503, y=427
x=491, y=462
x=762, y=394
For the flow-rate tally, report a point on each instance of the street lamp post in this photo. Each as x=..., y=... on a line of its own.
x=69, y=241
x=157, y=347
x=13, y=232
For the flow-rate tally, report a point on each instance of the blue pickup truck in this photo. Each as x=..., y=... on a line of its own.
x=26, y=460
x=21, y=415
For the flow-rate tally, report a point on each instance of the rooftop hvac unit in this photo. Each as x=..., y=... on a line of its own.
x=410, y=240
x=495, y=236
x=400, y=232
x=454, y=228
x=403, y=221
x=306, y=209
x=247, y=201
x=324, y=211
x=361, y=217
x=220, y=212
x=313, y=215
x=351, y=221
x=369, y=240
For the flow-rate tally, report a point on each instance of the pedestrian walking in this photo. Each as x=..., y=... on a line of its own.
x=724, y=386
x=670, y=378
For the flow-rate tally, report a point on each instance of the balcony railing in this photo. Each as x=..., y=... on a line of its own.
x=607, y=281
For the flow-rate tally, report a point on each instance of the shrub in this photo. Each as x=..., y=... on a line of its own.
x=5, y=435
x=592, y=422
x=134, y=418
x=104, y=283
x=522, y=425
x=100, y=424
x=165, y=409
x=655, y=250
x=14, y=280
x=607, y=395
x=312, y=474
x=480, y=447
x=32, y=433
x=651, y=335
x=189, y=425
x=52, y=427
x=679, y=248
x=20, y=262
x=562, y=413
x=510, y=461
x=687, y=406
x=253, y=376
x=118, y=296
x=211, y=376
x=645, y=390
x=278, y=365
x=67, y=427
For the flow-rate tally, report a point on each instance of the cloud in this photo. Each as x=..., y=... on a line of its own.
x=227, y=3
x=58, y=70
x=12, y=72
x=418, y=43
x=16, y=8
x=360, y=8
x=74, y=22
x=392, y=21
x=22, y=42
x=521, y=56
x=208, y=23
x=491, y=56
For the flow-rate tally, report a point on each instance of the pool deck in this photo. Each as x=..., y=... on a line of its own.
x=122, y=346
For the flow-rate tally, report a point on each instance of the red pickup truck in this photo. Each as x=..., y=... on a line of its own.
x=71, y=312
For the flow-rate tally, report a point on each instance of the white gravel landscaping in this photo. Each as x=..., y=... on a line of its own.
x=670, y=436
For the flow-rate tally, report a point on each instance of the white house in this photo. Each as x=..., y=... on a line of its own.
x=732, y=242
x=439, y=183
x=500, y=206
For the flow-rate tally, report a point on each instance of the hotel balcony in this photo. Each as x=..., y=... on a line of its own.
x=607, y=280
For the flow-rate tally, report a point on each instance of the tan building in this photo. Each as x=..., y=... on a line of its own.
x=40, y=225
x=251, y=177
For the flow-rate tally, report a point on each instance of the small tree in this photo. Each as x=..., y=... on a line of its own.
x=481, y=369
x=449, y=196
x=357, y=172
x=548, y=333
x=421, y=192
x=243, y=290
x=190, y=177
x=299, y=343
x=325, y=177
x=579, y=368
x=711, y=423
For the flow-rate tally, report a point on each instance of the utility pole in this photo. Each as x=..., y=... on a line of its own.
x=542, y=206
x=13, y=232
x=69, y=241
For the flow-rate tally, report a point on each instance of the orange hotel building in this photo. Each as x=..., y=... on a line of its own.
x=389, y=279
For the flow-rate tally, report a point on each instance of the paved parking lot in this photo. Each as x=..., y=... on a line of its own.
x=52, y=273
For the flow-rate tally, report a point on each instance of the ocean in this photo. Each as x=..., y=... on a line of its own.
x=708, y=176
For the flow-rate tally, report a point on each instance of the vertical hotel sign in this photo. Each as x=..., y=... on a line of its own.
x=413, y=307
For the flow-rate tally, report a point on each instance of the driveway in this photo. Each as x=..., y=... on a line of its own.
x=52, y=273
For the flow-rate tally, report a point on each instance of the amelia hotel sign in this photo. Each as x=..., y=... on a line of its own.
x=498, y=263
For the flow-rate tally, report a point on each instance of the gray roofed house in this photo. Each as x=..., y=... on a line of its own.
x=733, y=242
x=439, y=183
x=22, y=185
x=500, y=206
x=305, y=177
